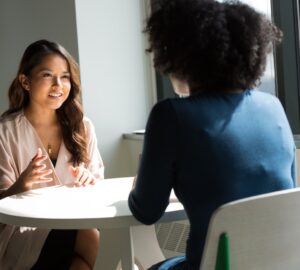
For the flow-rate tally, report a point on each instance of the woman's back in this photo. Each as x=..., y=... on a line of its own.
x=215, y=148
x=231, y=146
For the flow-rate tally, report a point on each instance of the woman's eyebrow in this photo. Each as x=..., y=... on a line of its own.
x=50, y=70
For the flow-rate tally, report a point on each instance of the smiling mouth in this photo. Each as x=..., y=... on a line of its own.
x=55, y=95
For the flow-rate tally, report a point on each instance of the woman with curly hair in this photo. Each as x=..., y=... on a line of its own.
x=226, y=140
x=45, y=140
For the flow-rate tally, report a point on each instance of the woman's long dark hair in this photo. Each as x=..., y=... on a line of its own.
x=70, y=114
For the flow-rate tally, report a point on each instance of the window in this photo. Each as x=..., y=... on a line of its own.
x=286, y=16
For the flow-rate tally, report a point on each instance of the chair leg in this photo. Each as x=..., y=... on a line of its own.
x=146, y=247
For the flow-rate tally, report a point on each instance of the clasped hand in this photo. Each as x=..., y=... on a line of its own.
x=82, y=176
x=36, y=173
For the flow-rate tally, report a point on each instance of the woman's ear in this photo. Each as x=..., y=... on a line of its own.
x=24, y=81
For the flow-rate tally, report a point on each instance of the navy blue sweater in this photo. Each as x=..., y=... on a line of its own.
x=212, y=148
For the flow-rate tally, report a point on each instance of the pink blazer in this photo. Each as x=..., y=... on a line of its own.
x=21, y=246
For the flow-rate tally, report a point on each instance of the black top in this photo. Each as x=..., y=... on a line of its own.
x=53, y=161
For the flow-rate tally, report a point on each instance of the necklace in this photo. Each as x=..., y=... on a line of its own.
x=49, y=150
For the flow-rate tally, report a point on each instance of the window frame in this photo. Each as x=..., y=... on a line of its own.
x=285, y=14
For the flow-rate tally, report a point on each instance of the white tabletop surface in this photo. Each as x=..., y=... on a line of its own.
x=103, y=205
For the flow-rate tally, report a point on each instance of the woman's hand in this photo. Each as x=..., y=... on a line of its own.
x=82, y=176
x=35, y=173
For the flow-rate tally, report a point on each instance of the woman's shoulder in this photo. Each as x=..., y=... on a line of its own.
x=12, y=126
x=11, y=119
x=171, y=103
x=261, y=94
x=87, y=121
x=88, y=124
x=163, y=107
x=265, y=98
x=171, y=107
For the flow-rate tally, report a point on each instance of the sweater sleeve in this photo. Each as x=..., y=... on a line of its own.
x=150, y=197
x=7, y=172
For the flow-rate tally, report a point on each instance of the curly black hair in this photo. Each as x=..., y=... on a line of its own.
x=211, y=45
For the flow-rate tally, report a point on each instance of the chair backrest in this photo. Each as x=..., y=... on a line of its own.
x=263, y=233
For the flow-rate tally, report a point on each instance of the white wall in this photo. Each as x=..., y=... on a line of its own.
x=298, y=166
x=22, y=22
x=116, y=83
x=117, y=92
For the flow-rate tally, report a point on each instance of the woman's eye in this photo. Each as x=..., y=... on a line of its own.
x=66, y=77
x=46, y=75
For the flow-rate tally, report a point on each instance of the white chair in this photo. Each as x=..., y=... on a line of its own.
x=257, y=233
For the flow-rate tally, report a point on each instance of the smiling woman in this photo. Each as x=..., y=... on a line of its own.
x=49, y=84
x=45, y=140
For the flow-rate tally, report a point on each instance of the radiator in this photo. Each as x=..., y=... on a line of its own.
x=172, y=237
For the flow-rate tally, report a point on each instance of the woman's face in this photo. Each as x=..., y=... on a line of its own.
x=49, y=83
x=180, y=87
